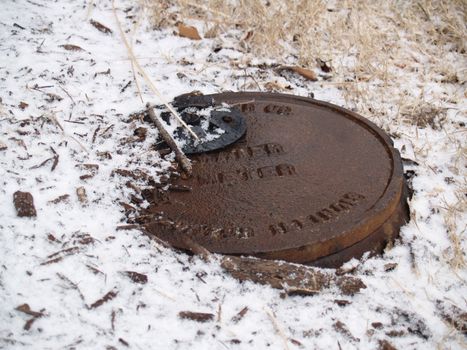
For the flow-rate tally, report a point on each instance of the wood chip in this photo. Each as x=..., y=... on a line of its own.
x=50, y=97
x=55, y=162
x=196, y=316
x=390, y=266
x=377, y=325
x=123, y=341
x=94, y=135
x=341, y=271
x=91, y=168
x=112, y=320
x=325, y=66
x=287, y=276
x=300, y=291
x=179, y=188
x=136, y=277
x=141, y=133
x=58, y=256
x=51, y=238
x=296, y=342
x=134, y=174
x=342, y=302
x=87, y=176
x=306, y=73
x=79, y=238
x=275, y=274
x=52, y=261
x=18, y=26
x=94, y=270
x=100, y=27
x=27, y=310
x=350, y=285
x=70, y=47
x=59, y=199
x=240, y=315
x=23, y=105
x=341, y=328
x=385, y=345
x=188, y=32
x=28, y=324
x=104, y=155
x=82, y=196
x=24, y=204
x=128, y=227
x=106, y=72
x=3, y=146
x=107, y=297
x=453, y=315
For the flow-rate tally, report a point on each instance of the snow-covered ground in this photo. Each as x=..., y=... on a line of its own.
x=67, y=90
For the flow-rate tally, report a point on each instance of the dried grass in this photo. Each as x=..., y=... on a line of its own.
x=383, y=55
x=380, y=36
x=456, y=255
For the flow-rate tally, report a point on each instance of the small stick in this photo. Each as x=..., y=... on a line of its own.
x=146, y=77
x=95, y=133
x=179, y=155
x=276, y=326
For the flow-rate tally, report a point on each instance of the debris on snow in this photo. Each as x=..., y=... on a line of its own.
x=24, y=204
x=79, y=252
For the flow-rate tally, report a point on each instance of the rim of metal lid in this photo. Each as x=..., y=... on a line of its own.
x=381, y=210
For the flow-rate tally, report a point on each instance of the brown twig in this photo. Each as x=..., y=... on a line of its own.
x=95, y=134
x=107, y=297
x=240, y=315
x=55, y=158
x=179, y=155
x=55, y=257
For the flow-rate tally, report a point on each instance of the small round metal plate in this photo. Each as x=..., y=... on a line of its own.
x=309, y=183
x=231, y=122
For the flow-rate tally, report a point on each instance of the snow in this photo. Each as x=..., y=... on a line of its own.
x=33, y=63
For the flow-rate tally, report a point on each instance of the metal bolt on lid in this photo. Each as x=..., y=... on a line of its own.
x=308, y=183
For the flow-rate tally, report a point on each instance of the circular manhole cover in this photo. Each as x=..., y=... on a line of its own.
x=309, y=183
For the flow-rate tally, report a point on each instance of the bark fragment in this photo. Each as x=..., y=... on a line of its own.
x=293, y=279
x=24, y=204
x=196, y=316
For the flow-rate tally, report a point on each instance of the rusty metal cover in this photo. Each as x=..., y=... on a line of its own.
x=310, y=183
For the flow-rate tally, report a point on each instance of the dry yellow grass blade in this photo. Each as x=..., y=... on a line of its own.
x=188, y=32
x=306, y=73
